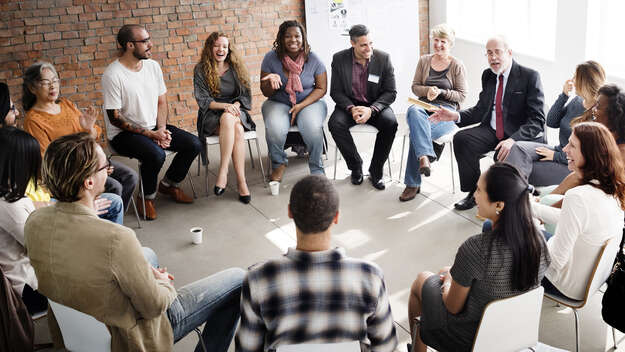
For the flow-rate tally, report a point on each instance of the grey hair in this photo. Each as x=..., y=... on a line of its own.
x=32, y=76
x=357, y=30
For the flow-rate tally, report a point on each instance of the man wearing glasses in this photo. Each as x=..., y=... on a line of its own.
x=135, y=102
x=510, y=108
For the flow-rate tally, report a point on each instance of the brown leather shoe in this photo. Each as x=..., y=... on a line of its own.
x=409, y=193
x=424, y=166
x=276, y=174
x=175, y=192
x=150, y=210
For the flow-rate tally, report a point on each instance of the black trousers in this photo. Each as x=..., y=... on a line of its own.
x=384, y=121
x=469, y=146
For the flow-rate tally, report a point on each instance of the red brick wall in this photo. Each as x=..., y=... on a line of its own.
x=424, y=26
x=78, y=37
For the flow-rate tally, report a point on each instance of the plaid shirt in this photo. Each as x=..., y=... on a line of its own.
x=315, y=297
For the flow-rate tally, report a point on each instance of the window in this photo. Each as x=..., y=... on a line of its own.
x=529, y=25
x=604, y=35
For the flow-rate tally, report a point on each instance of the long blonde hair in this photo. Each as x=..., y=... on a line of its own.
x=589, y=77
x=209, y=64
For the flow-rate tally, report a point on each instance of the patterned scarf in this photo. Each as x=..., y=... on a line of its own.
x=294, y=69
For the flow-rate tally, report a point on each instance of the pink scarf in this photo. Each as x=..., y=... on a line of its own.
x=294, y=69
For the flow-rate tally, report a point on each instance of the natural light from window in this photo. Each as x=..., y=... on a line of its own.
x=529, y=25
x=604, y=36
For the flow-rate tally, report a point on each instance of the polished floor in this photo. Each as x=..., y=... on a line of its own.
x=402, y=238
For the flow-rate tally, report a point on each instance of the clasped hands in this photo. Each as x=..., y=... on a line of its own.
x=162, y=137
x=361, y=114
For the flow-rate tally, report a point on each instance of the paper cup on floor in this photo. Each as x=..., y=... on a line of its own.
x=196, y=235
x=274, y=186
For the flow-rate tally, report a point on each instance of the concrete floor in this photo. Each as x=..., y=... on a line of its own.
x=403, y=238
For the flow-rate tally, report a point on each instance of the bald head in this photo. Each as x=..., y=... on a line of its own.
x=499, y=54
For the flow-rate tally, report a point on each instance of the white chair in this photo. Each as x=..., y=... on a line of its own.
x=81, y=332
x=352, y=346
x=361, y=128
x=508, y=324
x=599, y=275
x=248, y=136
x=442, y=140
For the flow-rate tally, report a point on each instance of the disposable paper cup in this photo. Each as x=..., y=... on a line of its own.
x=196, y=235
x=275, y=188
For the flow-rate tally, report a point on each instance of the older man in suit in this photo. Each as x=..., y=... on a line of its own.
x=363, y=88
x=510, y=108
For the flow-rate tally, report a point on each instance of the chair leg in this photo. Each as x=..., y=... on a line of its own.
x=260, y=161
x=336, y=152
x=401, y=160
x=199, y=335
x=142, y=194
x=199, y=161
x=192, y=186
x=614, y=338
x=576, y=330
x=134, y=206
x=390, y=171
x=249, y=146
x=451, y=157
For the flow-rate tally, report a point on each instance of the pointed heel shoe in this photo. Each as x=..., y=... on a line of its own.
x=219, y=191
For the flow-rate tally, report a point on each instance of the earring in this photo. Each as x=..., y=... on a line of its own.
x=497, y=212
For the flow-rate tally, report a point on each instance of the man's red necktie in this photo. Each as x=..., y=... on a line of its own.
x=498, y=110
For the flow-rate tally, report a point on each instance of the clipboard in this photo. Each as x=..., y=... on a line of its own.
x=421, y=103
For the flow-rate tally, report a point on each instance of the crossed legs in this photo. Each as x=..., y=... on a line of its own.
x=232, y=146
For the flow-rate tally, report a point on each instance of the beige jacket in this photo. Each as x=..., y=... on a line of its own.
x=98, y=267
x=456, y=75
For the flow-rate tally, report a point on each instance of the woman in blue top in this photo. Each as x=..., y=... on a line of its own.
x=294, y=79
x=546, y=165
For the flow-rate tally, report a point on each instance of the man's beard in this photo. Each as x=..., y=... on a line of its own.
x=140, y=56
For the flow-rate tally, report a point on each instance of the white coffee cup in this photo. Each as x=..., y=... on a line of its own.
x=196, y=235
x=275, y=188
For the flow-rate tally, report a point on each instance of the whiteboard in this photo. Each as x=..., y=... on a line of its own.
x=393, y=27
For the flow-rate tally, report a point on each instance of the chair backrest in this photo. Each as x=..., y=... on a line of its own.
x=352, y=346
x=603, y=267
x=81, y=332
x=510, y=324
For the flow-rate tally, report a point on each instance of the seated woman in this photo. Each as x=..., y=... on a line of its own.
x=19, y=166
x=504, y=262
x=294, y=79
x=545, y=165
x=49, y=116
x=8, y=111
x=222, y=91
x=591, y=213
x=440, y=80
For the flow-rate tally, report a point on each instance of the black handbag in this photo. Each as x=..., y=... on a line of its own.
x=613, y=302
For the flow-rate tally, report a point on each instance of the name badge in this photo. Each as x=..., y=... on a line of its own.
x=374, y=78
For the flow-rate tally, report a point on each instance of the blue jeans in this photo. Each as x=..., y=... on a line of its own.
x=310, y=123
x=422, y=132
x=115, y=212
x=214, y=300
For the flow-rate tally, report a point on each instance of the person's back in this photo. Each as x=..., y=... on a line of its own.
x=315, y=294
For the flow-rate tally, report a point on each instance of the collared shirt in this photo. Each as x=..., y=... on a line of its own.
x=360, y=74
x=506, y=74
x=315, y=297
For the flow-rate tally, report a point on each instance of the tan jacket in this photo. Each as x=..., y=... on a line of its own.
x=456, y=75
x=98, y=267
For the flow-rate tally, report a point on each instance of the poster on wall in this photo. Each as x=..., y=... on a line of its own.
x=338, y=16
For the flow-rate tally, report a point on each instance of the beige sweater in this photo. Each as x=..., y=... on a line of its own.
x=97, y=267
x=456, y=75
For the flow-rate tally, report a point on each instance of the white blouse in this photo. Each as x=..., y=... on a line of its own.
x=588, y=218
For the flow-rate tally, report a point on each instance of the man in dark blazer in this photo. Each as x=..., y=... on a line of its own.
x=363, y=88
x=510, y=108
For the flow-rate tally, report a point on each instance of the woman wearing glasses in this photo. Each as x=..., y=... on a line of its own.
x=49, y=116
x=8, y=112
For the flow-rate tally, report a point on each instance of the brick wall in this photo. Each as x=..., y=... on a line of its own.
x=78, y=37
x=424, y=26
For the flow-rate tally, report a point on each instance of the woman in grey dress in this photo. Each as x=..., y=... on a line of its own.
x=222, y=91
x=505, y=261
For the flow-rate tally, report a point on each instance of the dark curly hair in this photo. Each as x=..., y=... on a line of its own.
x=278, y=44
x=616, y=109
x=314, y=203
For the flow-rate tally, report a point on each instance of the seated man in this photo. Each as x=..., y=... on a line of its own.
x=315, y=294
x=135, y=101
x=99, y=268
x=363, y=88
x=510, y=109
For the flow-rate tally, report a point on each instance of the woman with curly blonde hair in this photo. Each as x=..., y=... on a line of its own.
x=222, y=91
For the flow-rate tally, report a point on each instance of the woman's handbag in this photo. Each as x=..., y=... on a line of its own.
x=613, y=302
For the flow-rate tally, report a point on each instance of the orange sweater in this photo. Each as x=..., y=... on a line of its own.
x=47, y=127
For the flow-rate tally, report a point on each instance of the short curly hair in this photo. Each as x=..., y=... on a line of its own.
x=314, y=203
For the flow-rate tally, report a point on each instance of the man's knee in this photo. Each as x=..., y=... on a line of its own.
x=113, y=186
x=338, y=121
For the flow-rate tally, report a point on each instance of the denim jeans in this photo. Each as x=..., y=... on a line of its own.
x=310, y=123
x=115, y=212
x=214, y=300
x=152, y=157
x=422, y=133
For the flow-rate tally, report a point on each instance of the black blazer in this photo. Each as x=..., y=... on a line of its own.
x=380, y=95
x=523, y=104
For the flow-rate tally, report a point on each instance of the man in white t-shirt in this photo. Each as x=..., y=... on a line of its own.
x=135, y=102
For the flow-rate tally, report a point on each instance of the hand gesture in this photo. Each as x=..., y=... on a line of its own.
x=545, y=153
x=162, y=274
x=274, y=79
x=433, y=92
x=101, y=205
x=444, y=115
x=568, y=87
x=362, y=114
x=504, y=148
x=294, y=111
x=87, y=118
x=233, y=109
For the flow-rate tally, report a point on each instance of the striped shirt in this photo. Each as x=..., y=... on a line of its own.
x=315, y=297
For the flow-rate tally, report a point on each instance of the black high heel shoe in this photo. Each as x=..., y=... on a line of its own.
x=245, y=199
x=219, y=191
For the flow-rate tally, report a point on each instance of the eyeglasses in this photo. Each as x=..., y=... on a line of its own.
x=13, y=108
x=495, y=53
x=106, y=166
x=144, y=41
x=46, y=83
